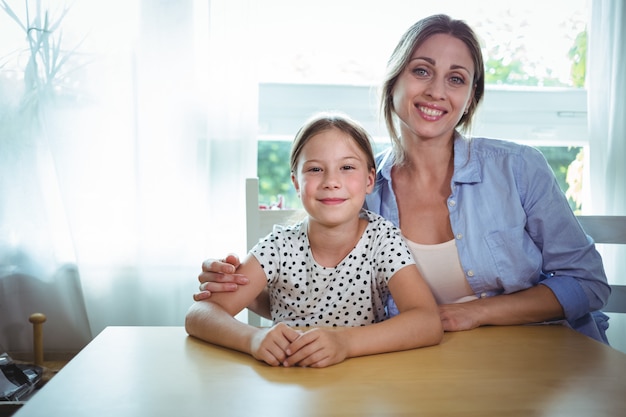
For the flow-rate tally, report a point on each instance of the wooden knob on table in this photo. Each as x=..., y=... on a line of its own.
x=38, y=319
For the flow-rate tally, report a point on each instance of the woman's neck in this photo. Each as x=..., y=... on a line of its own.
x=422, y=185
x=428, y=160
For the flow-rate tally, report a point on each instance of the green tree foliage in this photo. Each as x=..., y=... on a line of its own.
x=578, y=55
x=274, y=173
x=560, y=159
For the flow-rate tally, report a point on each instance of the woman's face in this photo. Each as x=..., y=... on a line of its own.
x=435, y=88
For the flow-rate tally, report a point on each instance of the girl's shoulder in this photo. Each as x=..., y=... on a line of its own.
x=288, y=232
x=377, y=222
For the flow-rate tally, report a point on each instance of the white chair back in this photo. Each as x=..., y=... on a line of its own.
x=259, y=223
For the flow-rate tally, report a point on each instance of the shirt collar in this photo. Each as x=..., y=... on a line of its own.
x=466, y=164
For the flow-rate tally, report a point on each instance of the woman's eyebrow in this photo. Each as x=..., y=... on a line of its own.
x=456, y=67
x=432, y=62
x=424, y=58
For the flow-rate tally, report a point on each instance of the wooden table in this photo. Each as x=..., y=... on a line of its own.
x=490, y=371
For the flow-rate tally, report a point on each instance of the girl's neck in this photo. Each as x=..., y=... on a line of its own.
x=330, y=245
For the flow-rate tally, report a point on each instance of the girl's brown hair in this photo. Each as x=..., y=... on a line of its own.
x=322, y=122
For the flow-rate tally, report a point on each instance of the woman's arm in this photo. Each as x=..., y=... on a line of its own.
x=572, y=266
x=534, y=305
x=417, y=325
x=570, y=279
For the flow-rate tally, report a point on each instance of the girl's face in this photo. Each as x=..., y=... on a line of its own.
x=435, y=88
x=332, y=178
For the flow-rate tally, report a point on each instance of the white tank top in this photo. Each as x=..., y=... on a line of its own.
x=441, y=268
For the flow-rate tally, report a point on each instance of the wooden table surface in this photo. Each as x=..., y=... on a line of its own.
x=490, y=371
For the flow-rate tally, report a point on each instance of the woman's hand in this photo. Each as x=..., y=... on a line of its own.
x=219, y=276
x=460, y=316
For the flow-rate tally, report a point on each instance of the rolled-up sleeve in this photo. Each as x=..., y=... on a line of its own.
x=572, y=296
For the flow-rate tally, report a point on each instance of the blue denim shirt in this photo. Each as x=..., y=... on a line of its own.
x=514, y=228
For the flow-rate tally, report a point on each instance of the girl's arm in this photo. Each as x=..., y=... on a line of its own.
x=213, y=320
x=417, y=325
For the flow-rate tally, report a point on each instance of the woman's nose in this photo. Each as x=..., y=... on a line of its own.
x=436, y=88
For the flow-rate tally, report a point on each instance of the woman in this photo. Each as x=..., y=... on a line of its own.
x=490, y=229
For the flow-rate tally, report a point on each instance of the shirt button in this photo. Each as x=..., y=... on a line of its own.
x=470, y=273
x=483, y=295
x=459, y=236
x=452, y=203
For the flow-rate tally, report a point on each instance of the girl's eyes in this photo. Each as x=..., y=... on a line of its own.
x=318, y=169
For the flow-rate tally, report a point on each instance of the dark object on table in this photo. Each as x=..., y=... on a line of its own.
x=17, y=381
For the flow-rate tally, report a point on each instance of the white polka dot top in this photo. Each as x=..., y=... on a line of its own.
x=304, y=293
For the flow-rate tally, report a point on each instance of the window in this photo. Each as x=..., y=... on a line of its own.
x=331, y=55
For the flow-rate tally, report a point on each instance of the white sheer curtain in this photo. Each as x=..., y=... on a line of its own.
x=134, y=176
x=606, y=60
x=607, y=105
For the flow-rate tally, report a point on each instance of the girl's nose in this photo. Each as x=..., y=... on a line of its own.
x=331, y=180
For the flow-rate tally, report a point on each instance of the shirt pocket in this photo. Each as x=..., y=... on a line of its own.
x=516, y=258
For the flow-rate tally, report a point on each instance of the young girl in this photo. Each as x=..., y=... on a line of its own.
x=333, y=271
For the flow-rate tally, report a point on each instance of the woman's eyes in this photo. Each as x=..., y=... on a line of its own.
x=420, y=72
x=425, y=72
x=457, y=80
